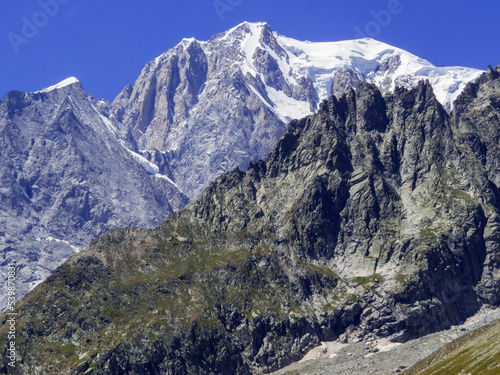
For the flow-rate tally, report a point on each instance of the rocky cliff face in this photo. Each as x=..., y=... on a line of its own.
x=211, y=106
x=376, y=217
x=65, y=178
x=477, y=122
x=197, y=105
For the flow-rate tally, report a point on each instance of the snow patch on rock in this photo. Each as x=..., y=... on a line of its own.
x=60, y=85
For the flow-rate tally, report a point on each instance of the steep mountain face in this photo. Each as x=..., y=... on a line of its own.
x=211, y=106
x=478, y=123
x=376, y=217
x=65, y=178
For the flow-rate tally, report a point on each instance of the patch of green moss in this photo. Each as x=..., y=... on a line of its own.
x=428, y=233
x=322, y=270
x=328, y=307
x=402, y=279
x=57, y=348
x=367, y=280
x=459, y=194
x=352, y=297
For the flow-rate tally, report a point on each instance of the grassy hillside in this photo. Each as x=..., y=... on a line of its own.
x=477, y=353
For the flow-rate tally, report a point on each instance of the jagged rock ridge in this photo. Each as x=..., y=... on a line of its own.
x=378, y=216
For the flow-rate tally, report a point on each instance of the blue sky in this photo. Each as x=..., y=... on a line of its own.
x=106, y=43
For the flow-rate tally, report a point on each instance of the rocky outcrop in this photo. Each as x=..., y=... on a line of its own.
x=376, y=217
x=477, y=122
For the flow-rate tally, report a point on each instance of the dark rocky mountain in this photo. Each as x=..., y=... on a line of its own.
x=376, y=217
x=66, y=178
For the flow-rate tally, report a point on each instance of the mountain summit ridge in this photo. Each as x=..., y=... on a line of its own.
x=234, y=94
x=62, y=181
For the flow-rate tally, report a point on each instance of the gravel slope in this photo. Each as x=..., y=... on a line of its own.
x=382, y=357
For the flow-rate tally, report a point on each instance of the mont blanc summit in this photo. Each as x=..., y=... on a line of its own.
x=213, y=105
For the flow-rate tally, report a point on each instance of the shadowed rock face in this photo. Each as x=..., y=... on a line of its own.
x=477, y=121
x=65, y=178
x=376, y=217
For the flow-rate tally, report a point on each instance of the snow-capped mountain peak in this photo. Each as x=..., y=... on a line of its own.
x=60, y=85
x=333, y=66
x=233, y=95
x=330, y=66
x=240, y=31
x=370, y=60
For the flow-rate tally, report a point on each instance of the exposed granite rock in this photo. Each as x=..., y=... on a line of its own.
x=212, y=106
x=65, y=178
x=478, y=123
x=343, y=80
x=195, y=104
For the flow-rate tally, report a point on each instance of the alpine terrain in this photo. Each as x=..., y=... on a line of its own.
x=74, y=167
x=65, y=178
x=376, y=217
x=211, y=106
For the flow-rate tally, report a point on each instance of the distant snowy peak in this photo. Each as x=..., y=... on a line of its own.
x=209, y=106
x=333, y=66
x=60, y=85
x=376, y=62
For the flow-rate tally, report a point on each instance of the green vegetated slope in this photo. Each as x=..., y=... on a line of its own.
x=477, y=353
x=378, y=216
